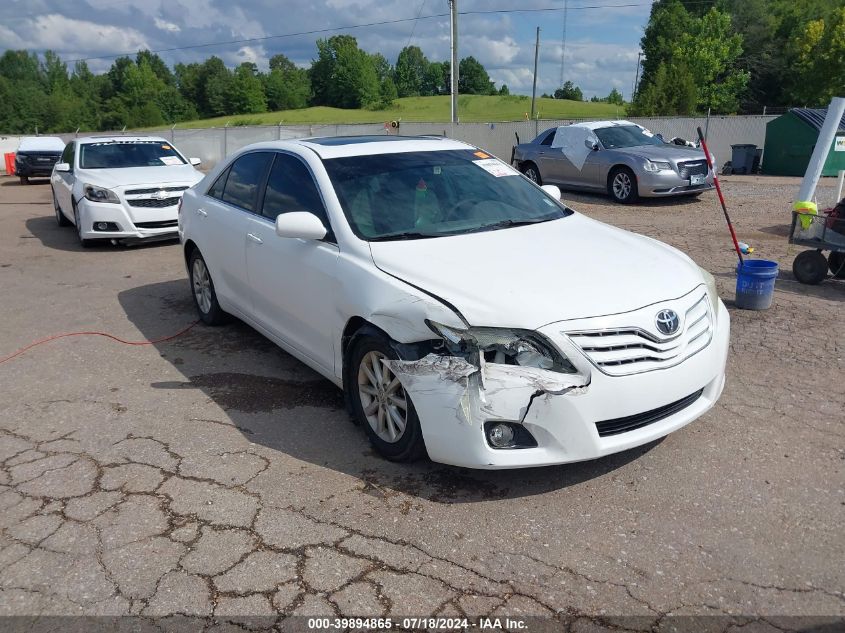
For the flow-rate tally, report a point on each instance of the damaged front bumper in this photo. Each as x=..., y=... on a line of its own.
x=455, y=398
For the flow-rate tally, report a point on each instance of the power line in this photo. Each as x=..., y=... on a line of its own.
x=416, y=21
x=372, y=24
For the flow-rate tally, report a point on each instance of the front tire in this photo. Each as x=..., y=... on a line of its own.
x=85, y=242
x=532, y=173
x=61, y=219
x=622, y=185
x=24, y=180
x=810, y=267
x=202, y=290
x=380, y=403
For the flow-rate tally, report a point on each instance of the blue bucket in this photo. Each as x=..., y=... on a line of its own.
x=755, y=284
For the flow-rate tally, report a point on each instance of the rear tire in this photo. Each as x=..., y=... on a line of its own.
x=380, y=403
x=622, y=185
x=836, y=263
x=24, y=180
x=61, y=219
x=810, y=267
x=532, y=173
x=202, y=290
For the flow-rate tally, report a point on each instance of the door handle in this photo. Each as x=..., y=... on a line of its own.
x=202, y=212
x=254, y=238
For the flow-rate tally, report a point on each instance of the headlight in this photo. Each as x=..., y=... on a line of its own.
x=100, y=194
x=657, y=165
x=507, y=347
x=710, y=281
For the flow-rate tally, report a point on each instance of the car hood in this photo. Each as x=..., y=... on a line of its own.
x=530, y=276
x=663, y=152
x=112, y=178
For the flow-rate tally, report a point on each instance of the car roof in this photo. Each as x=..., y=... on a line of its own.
x=343, y=146
x=41, y=144
x=121, y=139
x=594, y=125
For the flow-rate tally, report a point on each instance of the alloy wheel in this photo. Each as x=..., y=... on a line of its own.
x=383, y=399
x=202, y=285
x=532, y=174
x=622, y=185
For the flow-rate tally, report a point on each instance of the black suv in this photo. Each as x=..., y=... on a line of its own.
x=36, y=156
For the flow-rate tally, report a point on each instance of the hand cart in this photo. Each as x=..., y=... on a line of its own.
x=821, y=232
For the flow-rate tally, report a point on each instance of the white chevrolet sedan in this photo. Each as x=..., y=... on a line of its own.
x=465, y=311
x=122, y=189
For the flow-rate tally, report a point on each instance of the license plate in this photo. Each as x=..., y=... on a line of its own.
x=697, y=179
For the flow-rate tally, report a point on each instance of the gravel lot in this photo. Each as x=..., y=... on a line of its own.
x=216, y=476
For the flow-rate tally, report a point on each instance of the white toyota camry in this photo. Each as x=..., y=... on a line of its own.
x=465, y=311
x=123, y=189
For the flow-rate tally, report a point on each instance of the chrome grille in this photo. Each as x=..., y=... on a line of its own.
x=153, y=203
x=692, y=168
x=138, y=192
x=624, y=351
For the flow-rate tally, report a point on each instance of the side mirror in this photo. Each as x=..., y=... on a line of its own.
x=591, y=145
x=301, y=225
x=552, y=190
x=62, y=167
x=196, y=162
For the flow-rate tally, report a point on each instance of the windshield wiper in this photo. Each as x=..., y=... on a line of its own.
x=502, y=224
x=406, y=235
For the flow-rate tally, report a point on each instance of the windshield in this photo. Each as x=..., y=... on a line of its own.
x=417, y=195
x=116, y=154
x=626, y=136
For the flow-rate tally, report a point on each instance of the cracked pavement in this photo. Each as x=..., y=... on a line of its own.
x=216, y=477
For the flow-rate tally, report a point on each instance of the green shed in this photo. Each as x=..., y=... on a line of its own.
x=791, y=138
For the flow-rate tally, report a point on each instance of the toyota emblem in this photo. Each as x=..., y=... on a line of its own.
x=667, y=322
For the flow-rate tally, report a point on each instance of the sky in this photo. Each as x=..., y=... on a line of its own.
x=600, y=52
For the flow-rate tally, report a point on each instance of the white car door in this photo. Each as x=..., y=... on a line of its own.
x=63, y=180
x=222, y=222
x=293, y=281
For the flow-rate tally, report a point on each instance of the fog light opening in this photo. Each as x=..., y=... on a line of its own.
x=106, y=226
x=507, y=435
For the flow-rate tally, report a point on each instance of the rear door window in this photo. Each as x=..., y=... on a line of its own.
x=245, y=176
x=549, y=138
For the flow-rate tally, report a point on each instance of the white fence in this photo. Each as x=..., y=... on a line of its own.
x=213, y=144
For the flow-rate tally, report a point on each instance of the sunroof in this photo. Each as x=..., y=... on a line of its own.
x=354, y=140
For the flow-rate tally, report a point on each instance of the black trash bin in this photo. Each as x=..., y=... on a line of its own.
x=742, y=158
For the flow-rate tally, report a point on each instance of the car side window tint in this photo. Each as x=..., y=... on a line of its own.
x=549, y=138
x=216, y=190
x=67, y=154
x=245, y=175
x=290, y=187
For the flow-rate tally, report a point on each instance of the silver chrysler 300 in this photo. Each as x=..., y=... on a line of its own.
x=619, y=157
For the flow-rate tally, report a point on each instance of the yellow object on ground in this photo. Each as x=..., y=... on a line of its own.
x=805, y=208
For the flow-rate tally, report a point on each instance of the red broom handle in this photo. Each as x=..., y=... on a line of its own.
x=721, y=197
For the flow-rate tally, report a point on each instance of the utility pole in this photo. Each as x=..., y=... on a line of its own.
x=534, y=87
x=563, y=43
x=453, y=9
x=637, y=76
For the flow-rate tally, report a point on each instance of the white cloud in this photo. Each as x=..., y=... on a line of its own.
x=61, y=33
x=164, y=25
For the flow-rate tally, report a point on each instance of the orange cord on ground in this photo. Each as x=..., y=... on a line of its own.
x=111, y=336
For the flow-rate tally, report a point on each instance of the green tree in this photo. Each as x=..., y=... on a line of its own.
x=615, y=97
x=287, y=86
x=672, y=91
x=569, y=91
x=504, y=90
x=343, y=75
x=435, y=81
x=473, y=78
x=216, y=85
x=410, y=73
x=246, y=91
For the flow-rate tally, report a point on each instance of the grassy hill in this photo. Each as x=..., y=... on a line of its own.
x=471, y=108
